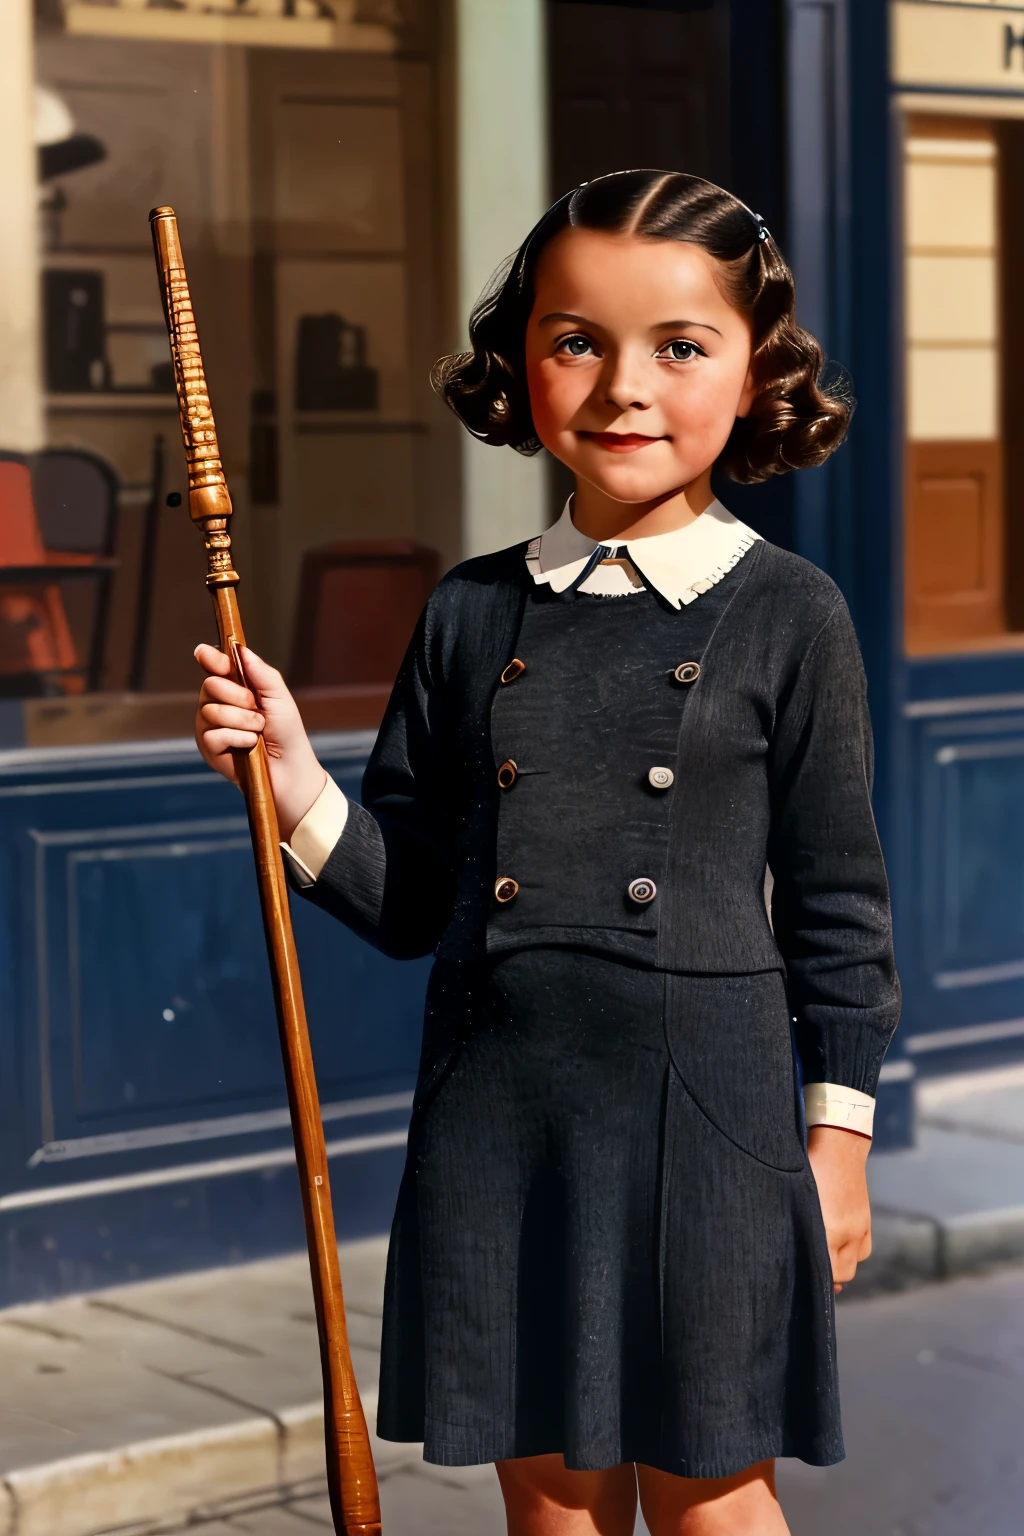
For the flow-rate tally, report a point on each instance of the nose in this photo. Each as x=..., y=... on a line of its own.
x=627, y=385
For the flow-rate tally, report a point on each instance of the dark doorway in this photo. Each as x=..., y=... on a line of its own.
x=631, y=85
x=634, y=86
x=681, y=85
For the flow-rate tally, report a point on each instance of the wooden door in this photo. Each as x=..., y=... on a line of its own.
x=954, y=563
x=954, y=544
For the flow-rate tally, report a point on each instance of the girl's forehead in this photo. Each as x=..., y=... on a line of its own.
x=624, y=268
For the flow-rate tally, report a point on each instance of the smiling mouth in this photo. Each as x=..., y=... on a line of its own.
x=621, y=442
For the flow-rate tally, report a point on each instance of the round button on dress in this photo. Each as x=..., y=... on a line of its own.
x=687, y=672
x=642, y=891
x=505, y=888
x=660, y=778
x=507, y=773
x=515, y=669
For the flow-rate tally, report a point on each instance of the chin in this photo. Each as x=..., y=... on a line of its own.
x=631, y=496
x=632, y=488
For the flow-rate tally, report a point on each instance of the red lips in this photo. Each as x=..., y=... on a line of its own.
x=621, y=442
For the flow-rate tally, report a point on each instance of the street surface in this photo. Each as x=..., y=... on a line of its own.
x=933, y=1396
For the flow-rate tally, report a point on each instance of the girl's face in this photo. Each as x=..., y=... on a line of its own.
x=637, y=364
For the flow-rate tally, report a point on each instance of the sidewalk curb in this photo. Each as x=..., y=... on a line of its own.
x=981, y=1238
x=160, y=1481
x=911, y=1248
x=140, y=1482
x=904, y=1253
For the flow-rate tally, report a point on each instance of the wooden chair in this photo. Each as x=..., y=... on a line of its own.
x=77, y=496
x=357, y=608
x=37, y=649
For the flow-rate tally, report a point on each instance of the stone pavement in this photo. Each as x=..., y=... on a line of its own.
x=933, y=1401
x=413, y=1501
x=127, y=1406
x=955, y=1202
x=197, y=1399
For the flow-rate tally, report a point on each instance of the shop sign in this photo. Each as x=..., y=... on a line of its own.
x=958, y=45
x=334, y=24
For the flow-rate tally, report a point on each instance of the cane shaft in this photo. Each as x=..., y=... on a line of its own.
x=350, y=1472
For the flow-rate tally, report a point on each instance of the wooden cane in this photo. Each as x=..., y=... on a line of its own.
x=351, y=1478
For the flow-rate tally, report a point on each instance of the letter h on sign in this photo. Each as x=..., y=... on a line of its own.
x=1011, y=40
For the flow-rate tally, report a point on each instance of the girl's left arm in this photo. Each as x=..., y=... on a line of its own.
x=830, y=912
x=830, y=899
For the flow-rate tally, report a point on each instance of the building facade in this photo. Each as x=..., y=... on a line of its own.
x=356, y=171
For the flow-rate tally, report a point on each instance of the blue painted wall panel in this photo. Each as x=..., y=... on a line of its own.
x=154, y=1018
x=962, y=901
x=143, y=1233
x=974, y=790
x=141, y=1075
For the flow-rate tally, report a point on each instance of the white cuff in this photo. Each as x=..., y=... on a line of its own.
x=832, y=1104
x=317, y=833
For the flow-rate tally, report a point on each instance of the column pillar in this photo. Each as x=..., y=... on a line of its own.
x=501, y=191
x=21, y=397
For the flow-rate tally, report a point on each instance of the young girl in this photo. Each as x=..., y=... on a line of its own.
x=615, y=1249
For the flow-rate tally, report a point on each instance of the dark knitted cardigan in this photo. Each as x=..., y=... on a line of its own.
x=774, y=751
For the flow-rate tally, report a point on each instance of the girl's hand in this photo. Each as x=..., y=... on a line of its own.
x=838, y=1161
x=230, y=718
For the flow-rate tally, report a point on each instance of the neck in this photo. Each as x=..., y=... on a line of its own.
x=603, y=519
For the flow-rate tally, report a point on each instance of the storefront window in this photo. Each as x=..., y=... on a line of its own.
x=299, y=151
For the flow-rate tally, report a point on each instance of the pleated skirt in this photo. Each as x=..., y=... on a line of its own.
x=608, y=1241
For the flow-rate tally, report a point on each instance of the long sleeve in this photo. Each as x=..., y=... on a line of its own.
x=830, y=901
x=316, y=835
x=389, y=875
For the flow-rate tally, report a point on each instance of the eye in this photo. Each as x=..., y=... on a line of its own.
x=575, y=346
x=681, y=351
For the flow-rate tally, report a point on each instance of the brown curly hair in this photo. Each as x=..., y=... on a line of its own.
x=796, y=419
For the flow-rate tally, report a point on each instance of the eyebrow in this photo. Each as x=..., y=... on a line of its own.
x=662, y=325
x=686, y=325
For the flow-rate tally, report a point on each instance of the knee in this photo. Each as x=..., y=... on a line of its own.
x=743, y=1505
x=543, y=1498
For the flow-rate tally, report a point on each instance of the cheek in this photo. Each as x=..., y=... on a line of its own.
x=556, y=393
x=705, y=405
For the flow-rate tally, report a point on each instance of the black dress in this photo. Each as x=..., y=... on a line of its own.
x=608, y=1241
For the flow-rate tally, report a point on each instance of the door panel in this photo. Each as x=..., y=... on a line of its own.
x=954, y=544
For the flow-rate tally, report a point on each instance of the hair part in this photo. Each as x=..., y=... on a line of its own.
x=796, y=419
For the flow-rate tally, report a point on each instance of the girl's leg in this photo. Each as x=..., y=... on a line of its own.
x=744, y=1505
x=543, y=1499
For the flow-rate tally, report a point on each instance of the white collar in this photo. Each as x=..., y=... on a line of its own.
x=680, y=565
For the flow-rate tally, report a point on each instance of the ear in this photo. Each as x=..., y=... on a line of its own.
x=749, y=394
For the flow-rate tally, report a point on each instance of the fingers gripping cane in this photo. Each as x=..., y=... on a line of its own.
x=350, y=1472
